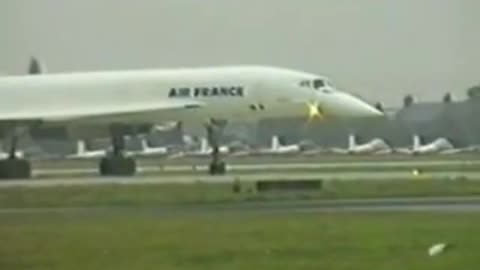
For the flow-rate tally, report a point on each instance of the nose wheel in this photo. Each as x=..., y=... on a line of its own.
x=217, y=165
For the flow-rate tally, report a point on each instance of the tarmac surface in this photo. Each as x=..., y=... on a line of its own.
x=80, y=176
x=203, y=177
x=89, y=168
x=380, y=205
x=77, y=173
x=253, y=164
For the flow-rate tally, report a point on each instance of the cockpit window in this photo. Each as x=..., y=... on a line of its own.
x=305, y=83
x=318, y=84
x=315, y=84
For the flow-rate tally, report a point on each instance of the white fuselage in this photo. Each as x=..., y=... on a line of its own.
x=98, y=99
x=75, y=93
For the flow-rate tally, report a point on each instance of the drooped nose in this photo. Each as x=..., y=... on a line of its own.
x=344, y=105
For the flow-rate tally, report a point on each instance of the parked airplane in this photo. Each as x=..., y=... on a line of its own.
x=375, y=146
x=276, y=147
x=206, y=150
x=147, y=150
x=83, y=153
x=437, y=146
x=97, y=104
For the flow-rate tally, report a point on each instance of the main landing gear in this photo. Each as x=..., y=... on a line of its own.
x=217, y=165
x=14, y=167
x=117, y=163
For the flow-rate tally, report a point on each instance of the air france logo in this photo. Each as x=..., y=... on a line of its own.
x=197, y=92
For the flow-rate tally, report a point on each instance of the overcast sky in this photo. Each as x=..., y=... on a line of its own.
x=381, y=49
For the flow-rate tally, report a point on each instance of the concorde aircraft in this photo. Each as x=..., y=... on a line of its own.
x=96, y=104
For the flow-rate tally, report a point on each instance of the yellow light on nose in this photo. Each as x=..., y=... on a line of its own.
x=313, y=111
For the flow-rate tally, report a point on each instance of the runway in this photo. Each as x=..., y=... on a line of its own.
x=379, y=205
x=154, y=165
x=202, y=177
x=149, y=171
x=144, y=180
x=188, y=174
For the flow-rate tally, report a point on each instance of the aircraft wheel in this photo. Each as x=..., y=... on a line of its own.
x=15, y=169
x=217, y=168
x=117, y=166
x=103, y=166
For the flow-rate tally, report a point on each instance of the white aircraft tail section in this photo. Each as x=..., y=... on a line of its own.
x=83, y=152
x=416, y=142
x=144, y=144
x=81, y=147
x=352, y=142
x=36, y=67
x=147, y=149
x=275, y=143
x=204, y=145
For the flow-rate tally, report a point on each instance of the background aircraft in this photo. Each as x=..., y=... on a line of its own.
x=278, y=148
x=147, y=150
x=205, y=149
x=82, y=152
x=440, y=145
x=375, y=146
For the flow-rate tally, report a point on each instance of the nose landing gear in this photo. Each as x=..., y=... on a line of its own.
x=217, y=165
